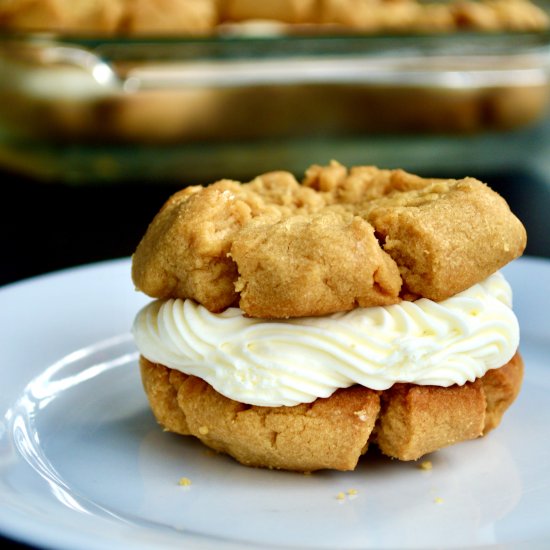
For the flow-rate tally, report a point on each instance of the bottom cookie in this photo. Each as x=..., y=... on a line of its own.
x=406, y=421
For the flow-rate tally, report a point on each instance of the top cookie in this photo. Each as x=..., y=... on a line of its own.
x=341, y=239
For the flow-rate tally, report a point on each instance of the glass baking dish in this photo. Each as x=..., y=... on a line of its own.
x=112, y=109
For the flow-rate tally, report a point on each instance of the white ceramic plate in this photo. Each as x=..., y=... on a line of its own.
x=84, y=465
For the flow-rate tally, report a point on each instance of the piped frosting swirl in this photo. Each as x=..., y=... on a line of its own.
x=292, y=361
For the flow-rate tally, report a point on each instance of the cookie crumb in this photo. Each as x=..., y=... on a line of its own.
x=361, y=415
x=438, y=500
x=426, y=465
x=352, y=492
x=340, y=496
x=203, y=430
x=184, y=482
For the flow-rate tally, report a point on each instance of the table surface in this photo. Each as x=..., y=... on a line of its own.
x=47, y=226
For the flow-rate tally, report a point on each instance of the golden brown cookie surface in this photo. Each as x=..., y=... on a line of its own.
x=340, y=239
x=405, y=422
x=188, y=17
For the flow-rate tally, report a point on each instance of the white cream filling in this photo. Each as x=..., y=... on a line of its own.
x=286, y=362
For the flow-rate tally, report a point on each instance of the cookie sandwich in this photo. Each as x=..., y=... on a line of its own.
x=294, y=324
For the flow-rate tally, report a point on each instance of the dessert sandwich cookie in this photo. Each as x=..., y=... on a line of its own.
x=296, y=323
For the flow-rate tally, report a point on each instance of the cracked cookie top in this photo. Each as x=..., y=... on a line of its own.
x=342, y=238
